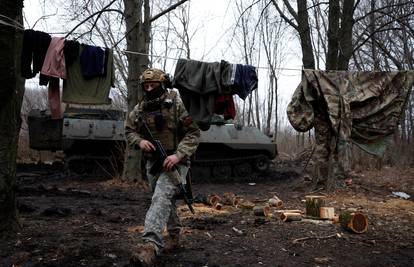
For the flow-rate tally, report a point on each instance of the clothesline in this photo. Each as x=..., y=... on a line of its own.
x=172, y=58
x=17, y=25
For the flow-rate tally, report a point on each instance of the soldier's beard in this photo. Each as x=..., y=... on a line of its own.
x=155, y=93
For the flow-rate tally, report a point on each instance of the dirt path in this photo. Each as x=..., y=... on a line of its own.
x=74, y=221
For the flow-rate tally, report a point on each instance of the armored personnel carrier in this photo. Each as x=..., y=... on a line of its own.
x=92, y=139
x=229, y=152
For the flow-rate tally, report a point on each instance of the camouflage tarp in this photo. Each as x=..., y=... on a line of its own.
x=364, y=107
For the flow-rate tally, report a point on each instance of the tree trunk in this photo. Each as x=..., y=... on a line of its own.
x=138, y=40
x=305, y=37
x=375, y=59
x=11, y=93
x=333, y=35
x=345, y=38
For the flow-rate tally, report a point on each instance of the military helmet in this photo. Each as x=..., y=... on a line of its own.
x=153, y=75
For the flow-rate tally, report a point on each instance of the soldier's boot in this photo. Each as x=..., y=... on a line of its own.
x=172, y=242
x=145, y=255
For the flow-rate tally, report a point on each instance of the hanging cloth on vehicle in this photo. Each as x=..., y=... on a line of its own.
x=92, y=60
x=54, y=63
x=53, y=94
x=94, y=91
x=200, y=82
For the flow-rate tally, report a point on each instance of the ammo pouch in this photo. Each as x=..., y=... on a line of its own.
x=159, y=121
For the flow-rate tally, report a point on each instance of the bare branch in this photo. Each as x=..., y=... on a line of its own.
x=43, y=17
x=289, y=21
x=91, y=16
x=380, y=9
x=380, y=29
x=167, y=10
x=291, y=10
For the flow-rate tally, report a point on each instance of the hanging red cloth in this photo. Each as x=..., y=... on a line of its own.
x=224, y=105
x=54, y=98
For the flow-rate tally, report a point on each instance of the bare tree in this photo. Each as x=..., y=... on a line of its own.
x=272, y=32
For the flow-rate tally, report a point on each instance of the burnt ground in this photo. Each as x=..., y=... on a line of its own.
x=82, y=221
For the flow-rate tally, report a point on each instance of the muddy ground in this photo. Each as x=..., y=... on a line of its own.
x=85, y=221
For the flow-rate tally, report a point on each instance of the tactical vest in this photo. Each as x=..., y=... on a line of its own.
x=162, y=121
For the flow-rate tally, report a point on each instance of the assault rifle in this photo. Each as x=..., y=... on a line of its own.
x=161, y=155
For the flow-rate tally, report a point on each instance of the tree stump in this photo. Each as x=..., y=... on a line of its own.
x=313, y=205
x=356, y=222
x=261, y=211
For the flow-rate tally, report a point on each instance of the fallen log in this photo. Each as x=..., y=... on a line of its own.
x=261, y=211
x=313, y=205
x=356, y=222
x=289, y=216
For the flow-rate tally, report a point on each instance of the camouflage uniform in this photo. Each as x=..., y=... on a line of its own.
x=169, y=122
x=348, y=106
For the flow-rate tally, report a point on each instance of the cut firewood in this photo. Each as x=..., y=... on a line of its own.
x=246, y=204
x=356, y=222
x=218, y=206
x=213, y=200
x=313, y=204
x=327, y=213
x=275, y=202
x=230, y=198
x=288, y=217
x=287, y=211
x=261, y=211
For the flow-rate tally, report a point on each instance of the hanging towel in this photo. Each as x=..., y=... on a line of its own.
x=54, y=63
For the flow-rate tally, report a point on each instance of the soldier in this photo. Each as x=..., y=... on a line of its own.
x=168, y=121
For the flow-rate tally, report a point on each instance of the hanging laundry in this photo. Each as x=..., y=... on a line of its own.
x=362, y=107
x=228, y=72
x=71, y=51
x=198, y=82
x=34, y=48
x=224, y=105
x=54, y=98
x=54, y=63
x=245, y=80
x=78, y=90
x=92, y=61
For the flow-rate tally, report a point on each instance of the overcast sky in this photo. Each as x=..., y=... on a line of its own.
x=214, y=20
